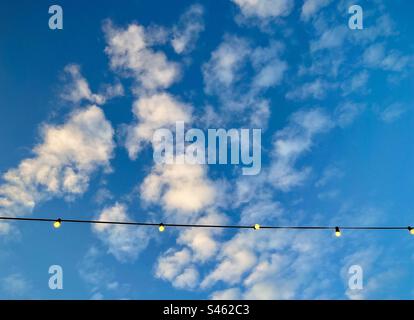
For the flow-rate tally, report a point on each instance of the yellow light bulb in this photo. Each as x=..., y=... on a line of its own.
x=256, y=226
x=57, y=223
x=161, y=228
x=411, y=230
x=337, y=232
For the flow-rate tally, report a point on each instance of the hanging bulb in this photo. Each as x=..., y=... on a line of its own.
x=161, y=228
x=256, y=226
x=57, y=223
x=411, y=229
x=337, y=232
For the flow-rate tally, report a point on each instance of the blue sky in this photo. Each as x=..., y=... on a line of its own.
x=79, y=107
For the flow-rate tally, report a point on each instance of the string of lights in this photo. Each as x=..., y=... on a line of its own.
x=57, y=223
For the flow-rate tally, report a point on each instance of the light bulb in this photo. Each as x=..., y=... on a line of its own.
x=161, y=228
x=411, y=229
x=337, y=232
x=57, y=223
x=256, y=226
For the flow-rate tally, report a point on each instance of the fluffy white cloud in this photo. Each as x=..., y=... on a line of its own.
x=202, y=242
x=181, y=187
x=265, y=8
x=270, y=265
x=173, y=266
x=199, y=246
x=291, y=142
x=187, y=279
x=62, y=163
x=153, y=112
x=252, y=258
x=186, y=32
x=124, y=242
x=131, y=54
x=234, y=265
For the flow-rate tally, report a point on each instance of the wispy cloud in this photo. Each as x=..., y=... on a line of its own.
x=186, y=32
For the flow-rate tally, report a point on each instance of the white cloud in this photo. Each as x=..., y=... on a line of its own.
x=62, y=163
x=346, y=113
x=113, y=90
x=375, y=56
x=186, y=32
x=264, y=208
x=124, y=242
x=173, y=266
x=265, y=8
x=226, y=66
x=330, y=174
x=330, y=39
x=187, y=279
x=311, y=7
x=15, y=285
x=316, y=89
x=291, y=142
x=235, y=264
x=201, y=241
x=271, y=265
x=228, y=294
x=77, y=88
x=199, y=247
x=98, y=277
x=181, y=187
x=131, y=54
x=392, y=113
x=269, y=68
x=225, y=77
x=383, y=27
x=356, y=84
x=93, y=272
x=226, y=61
x=160, y=110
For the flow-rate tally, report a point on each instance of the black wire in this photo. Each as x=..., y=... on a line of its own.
x=134, y=223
